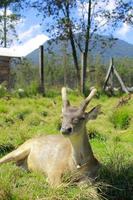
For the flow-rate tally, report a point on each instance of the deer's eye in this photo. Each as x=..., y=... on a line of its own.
x=82, y=118
x=75, y=121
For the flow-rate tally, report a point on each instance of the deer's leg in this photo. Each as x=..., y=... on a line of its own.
x=19, y=154
x=54, y=179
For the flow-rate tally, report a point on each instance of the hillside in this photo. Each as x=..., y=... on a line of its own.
x=117, y=49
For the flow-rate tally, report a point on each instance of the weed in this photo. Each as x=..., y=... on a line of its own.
x=94, y=134
x=121, y=118
x=44, y=113
x=52, y=93
x=9, y=120
x=118, y=173
x=35, y=119
x=3, y=108
x=3, y=90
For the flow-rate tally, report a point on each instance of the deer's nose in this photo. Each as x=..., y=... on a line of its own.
x=66, y=131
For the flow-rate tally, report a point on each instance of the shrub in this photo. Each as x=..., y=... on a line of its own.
x=32, y=89
x=29, y=91
x=34, y=120
x=121, y=118
x=52, y=93
x=3, y=91
x=94, y=134
x=21, y=93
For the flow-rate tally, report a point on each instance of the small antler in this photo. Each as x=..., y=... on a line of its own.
x=85, y=103
x=64, y=97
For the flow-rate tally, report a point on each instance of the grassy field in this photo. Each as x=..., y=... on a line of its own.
x=111, y=136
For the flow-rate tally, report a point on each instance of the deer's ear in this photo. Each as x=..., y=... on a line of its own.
x=93, y=113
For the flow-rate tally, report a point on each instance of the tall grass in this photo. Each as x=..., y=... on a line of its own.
x=121, y=117
x=117, y=173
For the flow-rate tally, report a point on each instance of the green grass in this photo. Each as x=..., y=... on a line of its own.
x=111, y=138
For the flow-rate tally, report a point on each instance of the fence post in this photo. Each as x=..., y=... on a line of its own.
x=41, y=70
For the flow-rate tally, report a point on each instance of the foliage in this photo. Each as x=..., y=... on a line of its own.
x=3, y=90
x=24, y=79
x=25, y=76
x=121, y=117
x=125, y=68
x=8, y=21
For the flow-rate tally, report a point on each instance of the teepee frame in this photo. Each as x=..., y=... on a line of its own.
x=109, y=78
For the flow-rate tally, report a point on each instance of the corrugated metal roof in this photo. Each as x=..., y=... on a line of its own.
x=9, y=52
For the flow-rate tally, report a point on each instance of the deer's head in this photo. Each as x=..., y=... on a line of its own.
x=75, y=118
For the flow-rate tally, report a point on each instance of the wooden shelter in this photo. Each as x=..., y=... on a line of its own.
x=109, y=85
x=6, y=55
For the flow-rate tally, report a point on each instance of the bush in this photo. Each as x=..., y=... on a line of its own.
x=3, y=90
x=32, y=89
x=94, y=134
x=121, y=118
x=21, y=93
x=34, y=119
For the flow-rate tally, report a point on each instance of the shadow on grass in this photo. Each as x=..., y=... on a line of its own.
x=119, y=181
x=6, y=148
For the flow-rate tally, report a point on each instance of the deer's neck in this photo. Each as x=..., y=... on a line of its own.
x=81, y=148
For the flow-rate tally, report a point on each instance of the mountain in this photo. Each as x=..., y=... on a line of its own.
x=102, y=45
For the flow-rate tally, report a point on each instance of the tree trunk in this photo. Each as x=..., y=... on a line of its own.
x=65, y=63
x=87, y=41
x=5, y=26
x=82, y=74
x=74, y=53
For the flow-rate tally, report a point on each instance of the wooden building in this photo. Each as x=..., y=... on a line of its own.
x=6, y=56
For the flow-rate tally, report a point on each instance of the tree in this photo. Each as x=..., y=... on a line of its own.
x=94, y=17
x=8, y=19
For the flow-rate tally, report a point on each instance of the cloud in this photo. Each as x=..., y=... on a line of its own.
x=29, y=38
x=9, y=12
x=30, y=45
x=122, y=31
x=29, y=33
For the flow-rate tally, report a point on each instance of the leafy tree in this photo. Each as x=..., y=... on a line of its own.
x=87, y=17
x=23, y=74
x=8, y=19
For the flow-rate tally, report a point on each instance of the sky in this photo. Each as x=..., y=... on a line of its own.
x=31, y=34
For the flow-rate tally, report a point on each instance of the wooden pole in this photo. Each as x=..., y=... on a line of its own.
x=120, y=81
x=82, y=74
x=41, y=70
x=111, y=75
x=109, y=72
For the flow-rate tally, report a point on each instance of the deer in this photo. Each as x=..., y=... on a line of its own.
x=70, y=151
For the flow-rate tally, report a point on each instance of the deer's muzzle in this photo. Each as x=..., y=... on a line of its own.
x=66, y=131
